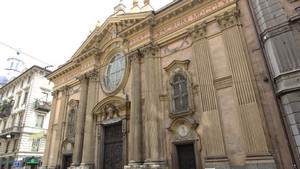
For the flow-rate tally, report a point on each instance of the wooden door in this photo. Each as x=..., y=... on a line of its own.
x=113, y=147
x=186, y=156
x=67, y=161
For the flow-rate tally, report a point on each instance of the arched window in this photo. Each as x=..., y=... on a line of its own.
x=180, y=94
x=71, y=120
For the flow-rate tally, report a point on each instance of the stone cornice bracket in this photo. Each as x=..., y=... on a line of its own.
x=198, y=31
x=229, y=19
x=149, y=49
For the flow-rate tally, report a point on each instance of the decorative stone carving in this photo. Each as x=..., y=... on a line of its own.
x=134, y=56
x=64, y=90
x=184, y=40
x=198, y=32
x=228, y=19
x=183, y=129
x=55, y=93
x=110, y=110
x=149, y=49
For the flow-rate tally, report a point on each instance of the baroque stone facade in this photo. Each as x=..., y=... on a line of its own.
x=181, y=87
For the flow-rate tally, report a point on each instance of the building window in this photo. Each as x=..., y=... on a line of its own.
x=25, y=98
x=29, y=79
x=13, y=89
x=180, y=94
x=114, y=73
x=15, y=145
x=13, y=121
x=71, y=121
x=17, y=65
x=7, y=146
x=21, y=120
x=21, y=85
x=11, y=65
x=39, y=121
x=18, y=101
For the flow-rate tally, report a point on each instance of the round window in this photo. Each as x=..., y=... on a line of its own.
x=114, y=73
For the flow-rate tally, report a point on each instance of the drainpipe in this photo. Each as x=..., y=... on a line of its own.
x=282, y=114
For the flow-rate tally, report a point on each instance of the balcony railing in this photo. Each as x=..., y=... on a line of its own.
x=12, y=131
x=5, y=113
x=5, y=108
x=42, y=106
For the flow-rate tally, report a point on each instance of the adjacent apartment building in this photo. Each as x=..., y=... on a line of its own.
x=278, y=27
x=24, y=116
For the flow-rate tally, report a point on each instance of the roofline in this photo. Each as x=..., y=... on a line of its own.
x=166, y=7
x=34, y=66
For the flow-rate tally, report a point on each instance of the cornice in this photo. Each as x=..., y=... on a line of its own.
x=91, y=52
x=63, y=70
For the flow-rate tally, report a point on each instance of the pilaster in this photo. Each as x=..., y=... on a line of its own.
x=213, y=136
x=250, y=121
x=80, y=122
x=50, y=129
x=135, y=134
x=58, y=138
x=154, y=117
x=89, y=133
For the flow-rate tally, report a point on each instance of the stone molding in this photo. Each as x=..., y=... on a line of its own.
x=198, y=32
x=229, y=19
x=223, y=82
x=64, y=90
x=274, y=32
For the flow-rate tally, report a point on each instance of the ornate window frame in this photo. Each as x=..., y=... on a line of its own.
x=103, y=72
x=175, y=69
x=73, y=108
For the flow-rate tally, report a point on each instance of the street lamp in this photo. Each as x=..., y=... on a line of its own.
x=8, y=136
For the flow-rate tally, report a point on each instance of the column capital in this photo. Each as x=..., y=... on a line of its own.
x=229, y=19
x=198, y=31
x=149, y=49
x=64, y=90
x=93, y=74
x=55, y=93
x=134, y=56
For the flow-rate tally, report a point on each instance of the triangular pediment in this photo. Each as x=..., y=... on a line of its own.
x=110, y=30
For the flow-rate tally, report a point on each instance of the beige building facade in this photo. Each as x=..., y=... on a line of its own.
x=181, y=87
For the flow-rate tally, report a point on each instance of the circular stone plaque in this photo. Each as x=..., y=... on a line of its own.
x=183, y=130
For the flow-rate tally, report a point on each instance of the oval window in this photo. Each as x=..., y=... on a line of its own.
x=114, y=73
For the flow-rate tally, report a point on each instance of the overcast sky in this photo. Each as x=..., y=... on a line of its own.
x=52, y=30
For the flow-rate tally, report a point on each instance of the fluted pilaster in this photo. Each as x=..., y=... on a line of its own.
x=213, y=138
x=251, y=121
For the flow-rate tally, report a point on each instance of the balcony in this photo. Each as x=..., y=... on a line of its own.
x=10, y=132
x=42, y=106
x=5, y=108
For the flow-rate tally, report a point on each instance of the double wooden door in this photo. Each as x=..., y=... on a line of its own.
x=113, y=147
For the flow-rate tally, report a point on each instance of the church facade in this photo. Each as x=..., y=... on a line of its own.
x=182, y=87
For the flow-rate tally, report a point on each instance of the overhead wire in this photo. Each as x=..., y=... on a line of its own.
x=24, y=53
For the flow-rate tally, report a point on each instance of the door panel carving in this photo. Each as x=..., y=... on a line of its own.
x=113, y=147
